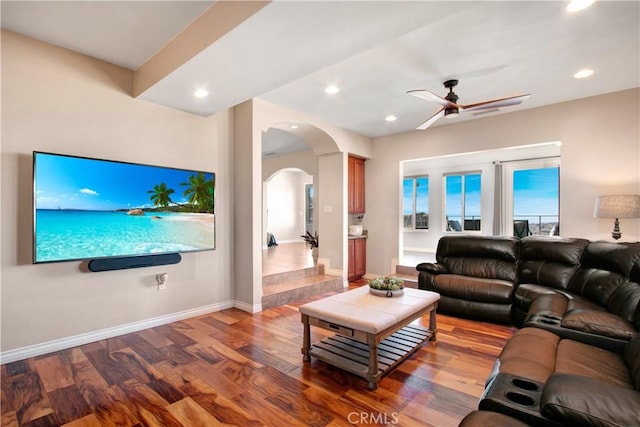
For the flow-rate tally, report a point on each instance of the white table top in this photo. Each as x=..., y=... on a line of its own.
x=359, y=310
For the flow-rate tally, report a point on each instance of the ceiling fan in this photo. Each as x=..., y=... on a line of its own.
x=451, y=108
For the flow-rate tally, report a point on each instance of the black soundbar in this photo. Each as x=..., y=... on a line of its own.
x=106, y=264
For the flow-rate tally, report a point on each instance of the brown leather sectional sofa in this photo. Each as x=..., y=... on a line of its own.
x=540, y=379
x=576, y=360
x=587, y=291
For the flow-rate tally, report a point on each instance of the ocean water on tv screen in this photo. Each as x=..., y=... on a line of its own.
x=79, y=234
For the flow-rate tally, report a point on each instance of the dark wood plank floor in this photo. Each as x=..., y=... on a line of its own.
x=235, y=368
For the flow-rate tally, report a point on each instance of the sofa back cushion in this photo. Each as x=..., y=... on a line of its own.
x=550, y=261
x=635, y=277
x=480, y=256
x=625, y=302
x=605, y=267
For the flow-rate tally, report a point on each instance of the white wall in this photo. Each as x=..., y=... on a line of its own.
x=285, y=200
x=600, y=151
x=304, y=160
x=60, y=101
x=332, y=206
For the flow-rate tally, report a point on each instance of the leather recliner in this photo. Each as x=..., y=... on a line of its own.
x=476, y=276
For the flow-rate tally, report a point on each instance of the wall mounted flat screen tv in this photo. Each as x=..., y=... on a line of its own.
x=87, y=208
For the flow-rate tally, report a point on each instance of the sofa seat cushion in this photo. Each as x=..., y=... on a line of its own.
x=598, y=322
x=474, y=288
x=574, y=400
x=574, y=357
x=530, y=353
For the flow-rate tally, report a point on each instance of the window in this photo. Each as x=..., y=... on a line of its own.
x=415, y=202
x=462, y=201
x=536, y=200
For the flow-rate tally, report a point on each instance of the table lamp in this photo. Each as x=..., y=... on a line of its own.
x=627, y=206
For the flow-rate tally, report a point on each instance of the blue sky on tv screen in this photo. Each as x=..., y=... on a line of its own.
x=63, y=182
x=535, y=193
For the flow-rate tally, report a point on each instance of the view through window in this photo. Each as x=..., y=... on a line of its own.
x=415, y=202
x=536, y=201
x=462, y=202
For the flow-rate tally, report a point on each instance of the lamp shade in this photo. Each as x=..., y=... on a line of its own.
x=617, y=207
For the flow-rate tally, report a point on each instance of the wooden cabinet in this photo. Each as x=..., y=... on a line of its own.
x=357, y=258
x=356, y=185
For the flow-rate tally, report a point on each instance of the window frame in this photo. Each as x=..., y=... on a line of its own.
x=414, y=203
x=508, y=175
x=445, y=222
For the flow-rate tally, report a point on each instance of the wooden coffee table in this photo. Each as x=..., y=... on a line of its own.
x=373, y=334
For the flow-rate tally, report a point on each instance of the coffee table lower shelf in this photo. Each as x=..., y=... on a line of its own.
x=353, y=355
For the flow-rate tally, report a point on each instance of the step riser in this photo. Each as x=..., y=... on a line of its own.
x=288, y=276
x=296, y=294
x=406, y=271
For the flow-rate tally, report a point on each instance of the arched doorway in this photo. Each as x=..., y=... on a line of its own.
x=287, y=215
x=290, y=191
x=288, y=168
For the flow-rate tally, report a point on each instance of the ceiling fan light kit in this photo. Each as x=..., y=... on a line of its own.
x=451, y=112
x=451, y=108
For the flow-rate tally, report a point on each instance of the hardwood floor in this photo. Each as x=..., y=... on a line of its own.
x=232, y=367
x=286, y=257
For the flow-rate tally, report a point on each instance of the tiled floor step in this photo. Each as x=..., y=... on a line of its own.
x=295, y=289
x=287, y=276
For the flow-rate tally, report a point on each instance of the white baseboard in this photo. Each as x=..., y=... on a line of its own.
x=327, y=267
x=81, y=339
x=419, y=250
x=255, y=308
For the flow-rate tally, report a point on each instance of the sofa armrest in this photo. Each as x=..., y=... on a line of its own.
x=427, y=271
x=577, y=400
x=432, y=267
x=599, y=323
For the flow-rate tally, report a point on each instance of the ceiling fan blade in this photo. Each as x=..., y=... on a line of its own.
x=431, y=120
x=432, y=97
x=496, y=103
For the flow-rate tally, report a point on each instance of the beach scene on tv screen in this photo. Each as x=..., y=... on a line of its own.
x=89, y=208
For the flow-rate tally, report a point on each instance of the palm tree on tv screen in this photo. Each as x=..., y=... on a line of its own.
x=161, y=195
x=200, y=192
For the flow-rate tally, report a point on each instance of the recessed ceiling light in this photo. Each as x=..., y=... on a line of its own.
x=577, y=5
x=584, y=73
x=391, y=118
x=201, y=93
x=294, y=126
x=332, y=89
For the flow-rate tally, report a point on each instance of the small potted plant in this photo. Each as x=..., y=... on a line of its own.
x=386, y=286
x=312, y=240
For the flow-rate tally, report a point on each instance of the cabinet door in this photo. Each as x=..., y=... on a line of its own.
x=356, y=185
x=351, y=180
x=351, y=273
x=360, y=257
